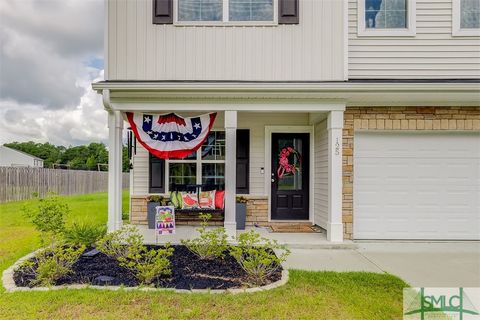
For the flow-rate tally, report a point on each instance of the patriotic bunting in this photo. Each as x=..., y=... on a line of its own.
x=170, y=136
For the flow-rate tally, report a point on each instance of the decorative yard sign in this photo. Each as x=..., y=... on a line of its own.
x=168, y=136
x=165, y=220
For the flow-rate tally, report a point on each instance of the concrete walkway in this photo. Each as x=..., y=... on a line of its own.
x=421, y=264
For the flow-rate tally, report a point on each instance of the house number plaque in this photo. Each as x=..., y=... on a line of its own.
x=337, y=148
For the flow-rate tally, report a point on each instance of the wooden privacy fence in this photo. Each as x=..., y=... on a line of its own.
x=21, y=183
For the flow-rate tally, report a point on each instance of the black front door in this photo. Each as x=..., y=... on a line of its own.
x=290, y=176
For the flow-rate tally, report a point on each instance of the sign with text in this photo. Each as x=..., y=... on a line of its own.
x=441, y=303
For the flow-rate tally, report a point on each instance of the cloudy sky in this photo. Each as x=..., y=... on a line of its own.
x=50, y=52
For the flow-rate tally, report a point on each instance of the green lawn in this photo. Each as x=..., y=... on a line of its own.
x=308, y=295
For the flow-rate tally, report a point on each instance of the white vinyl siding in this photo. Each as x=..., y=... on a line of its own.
x=256, y=123
x=432, y=53
x=14, y=158
x=140, y=50
x=321, y=175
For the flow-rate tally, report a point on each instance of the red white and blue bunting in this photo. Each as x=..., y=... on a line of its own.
x=169, y=136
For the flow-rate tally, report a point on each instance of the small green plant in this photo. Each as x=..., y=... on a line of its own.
x=48, y=217
x=126, y=245
x=84, y=234
x=241, y=199
x=156, y=198
x=210, y=243
x=256, y=256
x=52, y=263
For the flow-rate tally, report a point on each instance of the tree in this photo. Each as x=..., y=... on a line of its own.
x=84, y=157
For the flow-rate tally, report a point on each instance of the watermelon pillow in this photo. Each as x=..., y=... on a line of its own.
x=206, y=199
x=219, y=199
x=175, y=199
x=189, y=200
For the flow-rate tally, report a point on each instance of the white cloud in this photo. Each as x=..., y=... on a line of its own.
x=46, y=47
x=84, y=123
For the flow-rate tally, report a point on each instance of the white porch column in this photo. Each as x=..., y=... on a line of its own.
x=334, y=223
x=230, y=172
x=115, y=127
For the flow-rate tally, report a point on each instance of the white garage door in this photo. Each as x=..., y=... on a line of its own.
x=417, y=186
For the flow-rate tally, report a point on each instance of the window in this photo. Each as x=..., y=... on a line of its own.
x=386, y=17
x=226, y=11
x=251, y=10
x=200, y=10
x=207, y=166
x=466, y=18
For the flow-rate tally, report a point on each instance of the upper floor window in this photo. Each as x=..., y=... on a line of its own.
x=466, y=18
x=386, y=17
x=226, y=11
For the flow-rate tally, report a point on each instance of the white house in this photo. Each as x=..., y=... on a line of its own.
x=378, y=99
x=14, y=158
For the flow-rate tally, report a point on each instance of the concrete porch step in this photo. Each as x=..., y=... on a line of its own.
x=292, y=240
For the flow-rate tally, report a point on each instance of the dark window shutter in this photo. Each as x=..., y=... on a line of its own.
x=243, y=161
x=288, y=11
x=156, y=175
x=162, y=11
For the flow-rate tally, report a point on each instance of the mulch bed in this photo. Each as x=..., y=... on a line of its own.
x=188, y=272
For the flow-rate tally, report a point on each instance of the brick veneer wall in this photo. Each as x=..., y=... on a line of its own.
x=257, y=211
x=138, y=211
x=395, y=118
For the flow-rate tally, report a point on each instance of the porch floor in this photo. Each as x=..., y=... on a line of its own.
x=292, y=240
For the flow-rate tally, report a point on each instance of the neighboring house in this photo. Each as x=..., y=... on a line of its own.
x=14, y=158
x=379, y=98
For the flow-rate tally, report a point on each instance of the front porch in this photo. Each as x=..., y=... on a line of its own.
x=313, y=195
x=316, y=240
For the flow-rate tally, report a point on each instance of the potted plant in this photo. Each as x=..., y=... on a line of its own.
x=153, y=202
x=241, y=212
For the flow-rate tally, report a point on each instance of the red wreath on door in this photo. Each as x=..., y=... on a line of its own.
x=284, y=165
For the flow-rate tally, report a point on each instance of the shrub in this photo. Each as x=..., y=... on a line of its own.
x=84, y=234
x=126, y=246
x=256, y=256
x=241, y=199
x=210, y=243
x=52, y=263
x=49, y=216
x=156, y=198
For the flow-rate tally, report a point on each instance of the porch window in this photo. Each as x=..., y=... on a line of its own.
x=182, y=173
x=207, y=166
x=386, y=17
x=224, y=11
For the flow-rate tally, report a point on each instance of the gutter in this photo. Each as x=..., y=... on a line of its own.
x=351, y=93
x=287, y=86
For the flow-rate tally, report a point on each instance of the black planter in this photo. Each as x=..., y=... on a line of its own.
x=241, y=215
x=151, y=212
